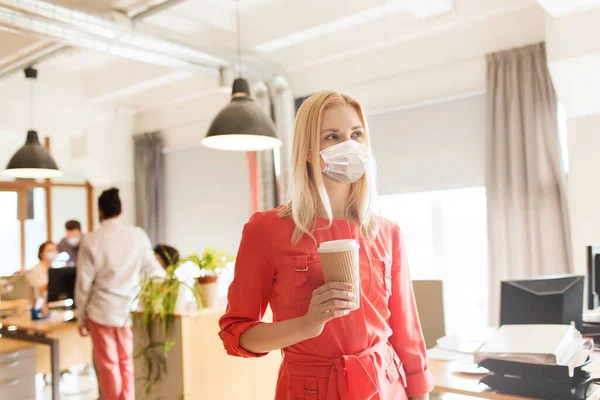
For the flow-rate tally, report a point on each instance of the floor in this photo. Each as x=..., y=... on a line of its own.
x=80, y=384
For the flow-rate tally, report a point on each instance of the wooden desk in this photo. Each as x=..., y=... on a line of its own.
x=449, y=381
x=48, y=334
x=10, y=304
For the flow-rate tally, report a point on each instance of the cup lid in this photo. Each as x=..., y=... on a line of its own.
x=338, y=245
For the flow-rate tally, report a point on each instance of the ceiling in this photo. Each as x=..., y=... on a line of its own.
x=284, y=35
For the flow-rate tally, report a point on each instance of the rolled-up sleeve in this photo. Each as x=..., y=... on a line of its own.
x=250, y=290
x=407, y=338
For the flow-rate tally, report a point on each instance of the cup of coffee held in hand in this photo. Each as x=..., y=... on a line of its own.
x=340, y=263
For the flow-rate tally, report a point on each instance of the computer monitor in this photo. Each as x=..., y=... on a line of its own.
x=545, y=300
x=61, y=283
x=593, y=277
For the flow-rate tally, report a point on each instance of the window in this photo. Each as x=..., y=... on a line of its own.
x=26, y=218
x=10, y=233
x=445, y=234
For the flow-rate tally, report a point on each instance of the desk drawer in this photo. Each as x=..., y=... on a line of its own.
x=11, y=356
x=18, y=388
x=17, y=368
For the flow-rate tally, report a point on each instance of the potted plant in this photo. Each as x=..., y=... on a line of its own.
x=157, y=300
x=211, y=265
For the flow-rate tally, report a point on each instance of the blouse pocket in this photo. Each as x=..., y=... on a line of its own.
x=381, y=272
x=303, y=275
x=306, y=387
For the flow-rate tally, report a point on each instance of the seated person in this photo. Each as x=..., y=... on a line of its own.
x=70, y=243
x=166, y=255
x=38, y=275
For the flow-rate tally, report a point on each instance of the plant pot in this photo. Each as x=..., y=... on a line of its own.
x=207, y=279
x=209, y=290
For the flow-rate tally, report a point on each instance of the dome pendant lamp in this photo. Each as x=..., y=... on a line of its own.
x=32, y=161
x=242, y=125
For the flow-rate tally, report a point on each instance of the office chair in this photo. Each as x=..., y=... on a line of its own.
x=20, y=288
x=430, y=305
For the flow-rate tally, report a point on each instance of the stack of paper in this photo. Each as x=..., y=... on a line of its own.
x=538, y=344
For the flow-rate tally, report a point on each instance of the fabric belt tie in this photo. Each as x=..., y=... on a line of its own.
x=348, y=373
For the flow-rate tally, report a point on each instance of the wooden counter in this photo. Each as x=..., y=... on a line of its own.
x=199, y=368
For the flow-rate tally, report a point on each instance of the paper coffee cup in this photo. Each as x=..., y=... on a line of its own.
x=340, y=263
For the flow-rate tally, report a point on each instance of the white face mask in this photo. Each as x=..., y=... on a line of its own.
x=51, y=256
x=345, y=162
x=73, y=241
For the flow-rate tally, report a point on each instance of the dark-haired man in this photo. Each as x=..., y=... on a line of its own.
x=70, y=243
x=111, y=260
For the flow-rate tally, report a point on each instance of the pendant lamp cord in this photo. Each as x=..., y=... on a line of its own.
x=31, y=100
x=239, y=40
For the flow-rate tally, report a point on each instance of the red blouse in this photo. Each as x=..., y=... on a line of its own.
x=375, y=352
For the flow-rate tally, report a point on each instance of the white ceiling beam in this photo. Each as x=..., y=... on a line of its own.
x=426, y=9
x=376, y=12
x=177, y=92
x=335, y=25
x=559, y=8
x=147, y=87
x=266, y=24
x=126, y=78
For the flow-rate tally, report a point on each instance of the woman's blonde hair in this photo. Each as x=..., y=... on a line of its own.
x=307, y=186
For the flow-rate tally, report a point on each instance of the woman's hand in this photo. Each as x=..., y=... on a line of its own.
x=330, y=301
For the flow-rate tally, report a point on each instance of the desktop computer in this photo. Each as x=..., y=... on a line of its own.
x=61, y=283
x=545, y=300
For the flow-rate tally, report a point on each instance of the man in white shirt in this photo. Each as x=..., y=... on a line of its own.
x=111, y=261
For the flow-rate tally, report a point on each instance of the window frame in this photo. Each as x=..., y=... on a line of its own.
x=22, y=187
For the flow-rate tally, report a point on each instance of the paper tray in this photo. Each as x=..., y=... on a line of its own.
x=541, y=372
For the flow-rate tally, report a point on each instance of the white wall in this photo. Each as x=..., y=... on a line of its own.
x=583, y=188
x=432, y=147
x=207, y=199
x=574, y=59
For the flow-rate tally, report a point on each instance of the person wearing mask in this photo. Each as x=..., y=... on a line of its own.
x=166, y=255
x=331, y=349
x=70, y=243
x=37, y=277
x=111, y=261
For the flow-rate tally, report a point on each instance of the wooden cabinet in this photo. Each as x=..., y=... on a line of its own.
x=17, y=370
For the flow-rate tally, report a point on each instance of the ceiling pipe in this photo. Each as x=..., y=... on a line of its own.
x=151, y=8
x=90, y=31
x=42, y=28
x=120, y=37
x=57, y=48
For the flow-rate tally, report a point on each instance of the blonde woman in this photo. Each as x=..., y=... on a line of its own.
x=331, y=350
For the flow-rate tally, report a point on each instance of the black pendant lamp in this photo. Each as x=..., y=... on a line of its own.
x=32, y=160
x=242, y=125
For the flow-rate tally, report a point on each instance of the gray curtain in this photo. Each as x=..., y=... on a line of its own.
x=528, y=224
x=274, y=166
x=149, y=184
